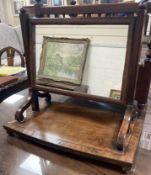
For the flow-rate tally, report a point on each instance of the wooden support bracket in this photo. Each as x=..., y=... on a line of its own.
x=126, y=127
x=19, y=113
x=33, y=101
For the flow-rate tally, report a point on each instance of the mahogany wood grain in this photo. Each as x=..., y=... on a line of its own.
x=54, y=162
x=79, y=130
x=126, y=128
x=82, y=130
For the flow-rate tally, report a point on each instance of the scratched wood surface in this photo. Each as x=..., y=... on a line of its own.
x=90, y=132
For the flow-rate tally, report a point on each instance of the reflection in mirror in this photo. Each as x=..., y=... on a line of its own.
x=103, y=69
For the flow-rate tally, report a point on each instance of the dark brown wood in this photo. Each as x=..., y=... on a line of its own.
x=77, y=94
x=85, y=131
x=143, y=88
x=87, y=9
x=135, y=22
x=144, y=78
x=83, y=21
x=33, y=101
x=126, y=127
x=54, y=162
x=128, y=63
x=45, y=95
x=25, y=34
x=32, y=54
x=138, y=32
x=79, y=130
x=10, y=52
x=19, y=113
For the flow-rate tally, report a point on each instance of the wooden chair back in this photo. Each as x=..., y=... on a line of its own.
x=10, y=53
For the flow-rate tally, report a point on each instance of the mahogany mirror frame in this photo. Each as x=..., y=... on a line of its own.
x=129, y=62
x=103, y=14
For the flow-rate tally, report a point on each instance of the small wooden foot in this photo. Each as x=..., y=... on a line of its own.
x=129, y=169
x=9, y=132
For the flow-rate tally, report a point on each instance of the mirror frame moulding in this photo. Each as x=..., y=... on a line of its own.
x=130, y=21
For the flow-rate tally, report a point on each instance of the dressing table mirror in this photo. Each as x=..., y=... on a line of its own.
x=105, y=122
x=100, y=65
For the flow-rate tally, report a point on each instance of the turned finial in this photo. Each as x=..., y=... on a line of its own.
x=22, y=10
x=38, y=1
x=72, y=2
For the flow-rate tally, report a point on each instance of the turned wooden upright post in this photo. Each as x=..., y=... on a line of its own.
x=144, y=78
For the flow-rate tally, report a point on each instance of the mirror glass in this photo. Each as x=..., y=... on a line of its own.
x=102, y=70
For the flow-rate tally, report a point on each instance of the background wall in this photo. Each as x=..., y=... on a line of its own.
x=2, y=11
x=7, y=11
x=10, y=17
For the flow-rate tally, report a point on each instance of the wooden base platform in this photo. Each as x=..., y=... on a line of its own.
x=79, y=130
